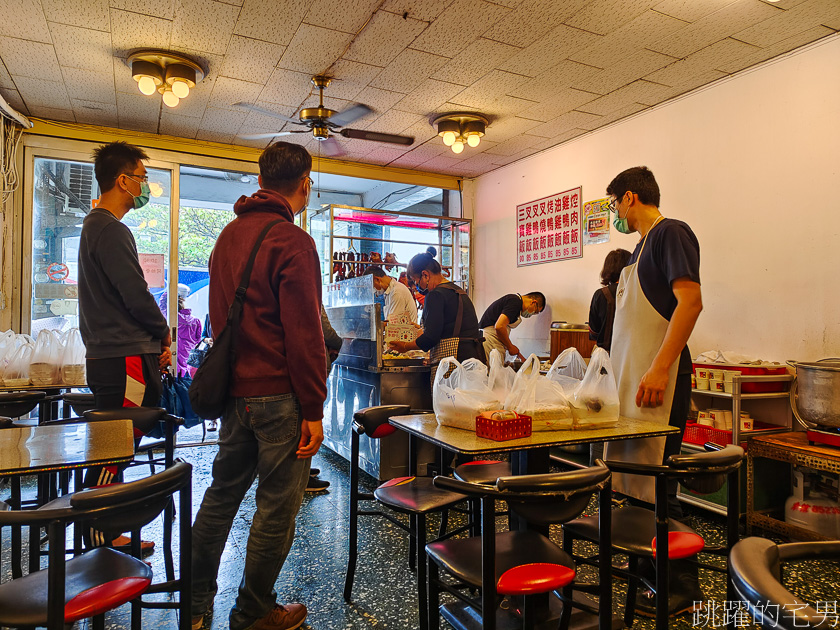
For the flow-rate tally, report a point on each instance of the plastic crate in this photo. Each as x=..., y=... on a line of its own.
x=503, y=430
x=700, y=433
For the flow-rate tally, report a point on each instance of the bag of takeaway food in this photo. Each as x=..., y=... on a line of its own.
x=16, y=372
x=567, y=370
x=501, y=377
x=46, y=359
x=473, y=375
x=458, y=397
x=532, y=394
x=73, y=360
x=595, y=401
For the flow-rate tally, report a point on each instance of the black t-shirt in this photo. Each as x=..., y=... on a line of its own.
x=510, y=305
x=440, y=310
x=598, y=316
x=672, y=252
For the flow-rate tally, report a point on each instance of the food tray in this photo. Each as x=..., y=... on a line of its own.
x=699, y=434
x=503, y=430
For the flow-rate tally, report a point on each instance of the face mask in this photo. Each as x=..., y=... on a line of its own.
x=143, y=198
x=527, y=314
x=379, y=292
x=621, y=224
x=421, y=290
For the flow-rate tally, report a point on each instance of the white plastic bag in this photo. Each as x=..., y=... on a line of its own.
x=532, y=394
x=501, y=377
x=16, y=372
x=567, y=370
x=458, y=397
x=46, y=359
x=595, y=401
x=73, y=360
x=473, y=375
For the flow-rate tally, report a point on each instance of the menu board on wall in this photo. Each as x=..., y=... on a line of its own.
x=549, y=229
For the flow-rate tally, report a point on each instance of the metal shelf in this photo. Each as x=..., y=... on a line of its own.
x=756, y=396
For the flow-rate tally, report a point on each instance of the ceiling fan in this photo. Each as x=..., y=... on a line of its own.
x=325, y=123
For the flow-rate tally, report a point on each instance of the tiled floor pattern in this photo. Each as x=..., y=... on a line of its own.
x=384, y=593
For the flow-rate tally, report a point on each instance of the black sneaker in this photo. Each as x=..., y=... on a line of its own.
x=317, y=485
x=314, y=472
x=678, y=603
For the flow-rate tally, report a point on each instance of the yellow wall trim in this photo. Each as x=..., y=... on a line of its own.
x=93, y=133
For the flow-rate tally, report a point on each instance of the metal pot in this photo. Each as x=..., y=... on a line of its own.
x=815, y=394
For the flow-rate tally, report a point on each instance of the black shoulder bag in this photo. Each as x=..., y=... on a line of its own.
x=211, y=384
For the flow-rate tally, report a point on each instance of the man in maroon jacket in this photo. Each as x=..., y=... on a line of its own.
x=272, y=425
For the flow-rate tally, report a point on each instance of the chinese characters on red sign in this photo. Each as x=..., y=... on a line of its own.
x=549, y=229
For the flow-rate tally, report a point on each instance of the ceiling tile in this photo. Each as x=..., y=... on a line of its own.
x=384, y=38
x=714, y=27
x=256, y=121
x=561, y=76
x=6, y=79
x=221, y=137
x=350, y=77
x=604, y=16
x=693, y=83
x=638, y=92
x=428, y=96
x=422, y=153
x=392, y=121
x=514, y=144
x=561, y=102
x=90, y=14
x=490, y=87
x=250, y=59
x=786, y=45
x=508, y=127
x=210, y=62
x=614, y=115
x=84, y=48
x=13, y=98
x=130, y=31
x=565, y=122
x=426, y=10
x=157, y=8
x=441, y=163
x=690, y=10
x=236, y=3
x=475, y=61
x=340, y=14
x=408, y=70
x=89, y=86
x=548, y=51
x=137, y=111
x=42, y=93
x=701, y=62
x=30, y=59
x=286, y=87
x=28, y=23
x=421, y=131
x=52, y=113
x=378, y=100
x=626, y=71
x=123, y=81
x=195, y=104
x=313, y=49
x=458, y=26
x=94, y=113
x=204, y=25
x=383, y=154
x=798, y=19
x=228, y=91
x=531, y=20
x=263, y=19
x=225, y=121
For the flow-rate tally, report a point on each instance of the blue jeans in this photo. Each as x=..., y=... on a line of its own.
x=258, y=438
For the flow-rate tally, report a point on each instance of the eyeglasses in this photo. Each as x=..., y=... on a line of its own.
x=311, y=181
x=141, y=178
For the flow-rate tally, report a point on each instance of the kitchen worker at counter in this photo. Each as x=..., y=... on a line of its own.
x=398, y=298
x=657, y=304
x=505, y=314
x=450, y=325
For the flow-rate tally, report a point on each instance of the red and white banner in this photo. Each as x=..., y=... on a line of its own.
x=549, y=229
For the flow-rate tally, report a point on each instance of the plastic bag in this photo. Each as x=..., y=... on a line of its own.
x=458, y=397
x=73, y=360
x=532, y=394
x=595, y=401
x=473, y=375
x=16, y=372
x=46, y=359
x=567, y=370
x=501, y=377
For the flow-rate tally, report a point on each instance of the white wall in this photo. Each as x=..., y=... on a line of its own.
x=752, y=164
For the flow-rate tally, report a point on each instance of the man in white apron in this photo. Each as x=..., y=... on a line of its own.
x=505, y=314
x=657, y=304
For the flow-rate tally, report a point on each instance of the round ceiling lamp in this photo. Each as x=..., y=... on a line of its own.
x=171, y=74
x=457, y=129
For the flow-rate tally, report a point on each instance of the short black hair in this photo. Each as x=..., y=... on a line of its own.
x=283, y=165
x=639, y=180
x=538, y=297
x=373, y=270
x=115, y=159
x=423, y=262
x=615, y=261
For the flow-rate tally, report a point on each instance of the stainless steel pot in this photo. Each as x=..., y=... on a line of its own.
x=815, y=394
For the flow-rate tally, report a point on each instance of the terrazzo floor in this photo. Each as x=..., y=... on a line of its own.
x=384, y=592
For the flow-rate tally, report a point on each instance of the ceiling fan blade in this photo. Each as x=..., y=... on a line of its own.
x=360, y=134
x=331, y=147
x=267, y=112
x=351, y=114
x=263, y=136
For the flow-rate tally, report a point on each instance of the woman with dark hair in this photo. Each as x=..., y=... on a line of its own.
x=450, y=325
x=602, y=308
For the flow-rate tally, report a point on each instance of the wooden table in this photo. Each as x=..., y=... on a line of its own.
x=531, y=456
x=42, y=449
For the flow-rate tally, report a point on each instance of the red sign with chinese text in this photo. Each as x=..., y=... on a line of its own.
x=549, y=229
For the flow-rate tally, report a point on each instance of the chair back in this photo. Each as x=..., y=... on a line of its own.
x=144, y=419
x=373, y=421
x=16, y=404
x=79, y=402
x=705, y=473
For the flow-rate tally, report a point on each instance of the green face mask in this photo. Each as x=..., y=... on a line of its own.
x=621, y=224
x=143, y=198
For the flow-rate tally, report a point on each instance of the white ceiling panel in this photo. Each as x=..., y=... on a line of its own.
x=78, y=47
x=157, y=8
x=91, y=14
x=383, y=153
x=90, y=86
x=428, y=96
x=215, y=136
x=621, y=73
x=24, y=58
x=561, y=76
x=219, y=120
x=378, y=100
x=53, y=113
x=442, y=162
x=800, y=18
x=94, y=113
x=546, y=52
x=475, y=61
x=614, y=115
x=350, y=78
x=509, y=127
x=250, y=59
x=137, y=108
x=30, y=21
x=228, y=91
x=695, y=82
x=42, y=93
x=514, y=145
x=263, y=19
x=392, y=121
x=531, y=20
x=700, y=62
x=690, y=10
x=490, y=87
x=780, y=48
x=422, y=131
x=458, y=26
x=6, y=79
x=130, y=31
x=563, y=123
x=561, y=102
x=302, y=56
x=426, y=10
x=340, y=15
x=409, y=69
x=605, y=16
x=285, y=87
x=255, y=120
x=385, y=36
x=204, y=25
x=195, y=104
x=12, y=97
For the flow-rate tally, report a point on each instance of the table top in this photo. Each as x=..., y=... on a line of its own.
x=797, y=442
x=35, y=449
x=425, y=426
x=41, y=388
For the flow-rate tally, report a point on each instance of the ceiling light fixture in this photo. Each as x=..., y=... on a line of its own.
x=461, y=128
x=171, y=74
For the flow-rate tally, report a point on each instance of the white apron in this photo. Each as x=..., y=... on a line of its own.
x=492, y=341
x=638, y=333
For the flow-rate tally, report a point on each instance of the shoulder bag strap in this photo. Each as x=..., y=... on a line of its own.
x=456, y=331
x=610, y=318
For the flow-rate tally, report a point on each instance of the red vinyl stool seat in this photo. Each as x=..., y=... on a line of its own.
x=535, y=578
x=681, y=545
